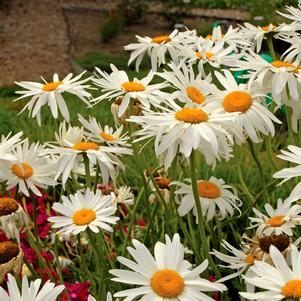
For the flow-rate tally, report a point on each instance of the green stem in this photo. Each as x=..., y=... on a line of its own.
x=271, y=48
x=264, y=186
x=291, y=137
x=31, y=269
x=96, y=178
x=201, y=221
x=132, y=220
x=58, y=266
x=87, y=170
x=99, y=259
x=40, y=258
x=83, y=261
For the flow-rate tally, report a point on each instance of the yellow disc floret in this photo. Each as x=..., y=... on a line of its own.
x=107, y=137
x=207, y=189
x=276, y=221
x=85, y=145
x=237, y=101
x=167, y=283
x=132, y=87
x=161, y=39
x=191, y=115
x=51, y=86
x=83, y=217
x=250, y=259
x=292, y=289
x=208, y=55
x=195, y=94
x=22, y=171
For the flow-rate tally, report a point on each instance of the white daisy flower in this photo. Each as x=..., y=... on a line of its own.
x=256, y=34
x=87, y=210
x=275, y=77
x=118, y=84
x=244, y=99
x=292, y=155
x=12, y=218
x=189, y=88
x=7, y=144
x=215, y=54
x=216, y=198
x=294, y=13
x=278, y=281
x=167, y=276
x=233, y=36
x=51, y=93
x=260, y=245
x=279, y=220
x=73, y=145
x=124, y=195
x=187, y=128
x=293, y=53
x=241, y=259
x=30, y=292
x=30, y=170
x=156, y=48
x=104, y=134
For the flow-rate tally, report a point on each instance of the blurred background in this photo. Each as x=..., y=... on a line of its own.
x=41, y=37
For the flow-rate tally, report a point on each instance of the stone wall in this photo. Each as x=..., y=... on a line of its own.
x=33, y=40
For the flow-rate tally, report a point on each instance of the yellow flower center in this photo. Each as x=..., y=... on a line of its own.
x=210, y=37
x=107, y=136
x=83, y=217
x=266, y=28
x=191, y=115
x=237, y=101
x=250, y=259
x=208, y=190
x=281, y=242
x=8, y=251
x=279, y=64
x=208, y=55
x=8, y=206
x=195, y=95
x=162, y=182
x=132, y=87
x=167, y=283
x=276, y=221
x=292, y=289
x=51, y=86
x=161, y=39
x=84, y=146
x=23, y=172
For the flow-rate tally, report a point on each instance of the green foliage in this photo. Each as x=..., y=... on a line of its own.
x=111, y=27
x=102, y=60
x=133, y=11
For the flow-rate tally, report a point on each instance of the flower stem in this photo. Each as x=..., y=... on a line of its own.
x=271, y=48
x=99, y=258
x=58, y=266
x=87, y=170
x=201, y=222
x=264, y=186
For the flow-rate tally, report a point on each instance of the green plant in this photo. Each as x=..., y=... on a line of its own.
x=111, y=27
x=133, y=11
x=101, y=60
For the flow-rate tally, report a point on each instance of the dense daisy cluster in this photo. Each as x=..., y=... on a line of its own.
x=139, y=209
